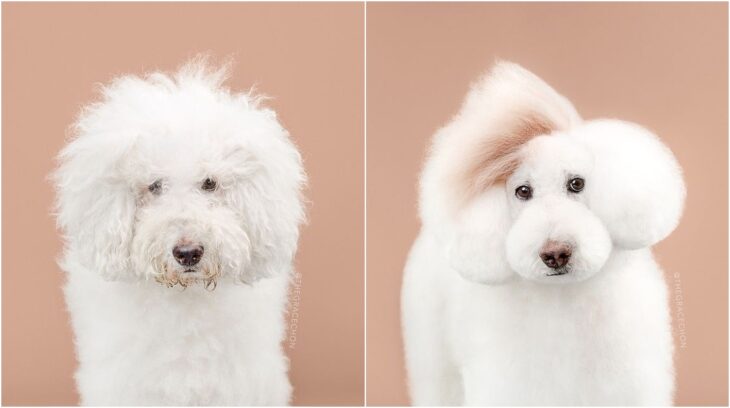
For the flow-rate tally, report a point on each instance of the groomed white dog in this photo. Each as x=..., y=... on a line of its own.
x=180, y=205
x=532, y=281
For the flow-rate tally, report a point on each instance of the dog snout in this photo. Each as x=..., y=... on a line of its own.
x=556, y=254
x=187, y=255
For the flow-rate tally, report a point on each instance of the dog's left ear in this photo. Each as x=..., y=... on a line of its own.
x=268, y=197
x=636, y=187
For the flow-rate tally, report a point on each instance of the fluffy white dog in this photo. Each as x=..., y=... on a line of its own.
x=180, y=203
x=532, y=281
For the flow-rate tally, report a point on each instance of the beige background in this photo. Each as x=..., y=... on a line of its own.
x=309, y=57
x=661, y=65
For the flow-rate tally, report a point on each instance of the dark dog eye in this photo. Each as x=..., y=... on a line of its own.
x=209, y=184
x=576, y=185
x=156, y=187
x=523, y=192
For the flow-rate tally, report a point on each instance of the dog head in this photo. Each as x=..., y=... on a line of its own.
x=174, y=177
x=518, y=185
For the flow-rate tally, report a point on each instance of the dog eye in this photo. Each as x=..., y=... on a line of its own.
x=156, y=187
x=209, y=184
x=576, y=185
x=523, y=192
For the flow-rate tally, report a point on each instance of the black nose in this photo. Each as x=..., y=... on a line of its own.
x=556, y=254
x=187, y=255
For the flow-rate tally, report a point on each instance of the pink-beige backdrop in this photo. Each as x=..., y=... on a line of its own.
x=663, y=65
x=307, y=57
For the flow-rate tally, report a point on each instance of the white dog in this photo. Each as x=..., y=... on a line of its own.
x=532, y=281
x=180, y=203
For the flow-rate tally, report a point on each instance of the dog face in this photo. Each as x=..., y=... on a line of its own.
x=178, y=180
x=189, y=225
x=517, y=185
x=554, y=237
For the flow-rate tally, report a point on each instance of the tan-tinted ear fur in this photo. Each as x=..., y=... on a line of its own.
x=480, y=147
x=493, y=159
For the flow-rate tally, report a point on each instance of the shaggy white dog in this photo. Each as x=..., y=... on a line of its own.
x=532, y=281
x=180, y=203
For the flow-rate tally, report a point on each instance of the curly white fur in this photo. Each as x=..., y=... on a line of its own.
x=150, y=331
x=485, y=320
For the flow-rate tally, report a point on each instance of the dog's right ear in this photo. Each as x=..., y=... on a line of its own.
x=462, y=185
x=475, y=242
x=94, y=203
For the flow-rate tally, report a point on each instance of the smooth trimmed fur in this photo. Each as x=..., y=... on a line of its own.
x=485, y=320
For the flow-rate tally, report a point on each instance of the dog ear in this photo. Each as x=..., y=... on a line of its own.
x=475, y=242
x=636, y=187
x=95, y=205
x=268, y=198
x=462, y=185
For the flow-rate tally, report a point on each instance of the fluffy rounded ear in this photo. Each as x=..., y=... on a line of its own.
x=636, y=187
x=462, y=185
x=475, y=244
x=268, y=197
x=95, y=205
